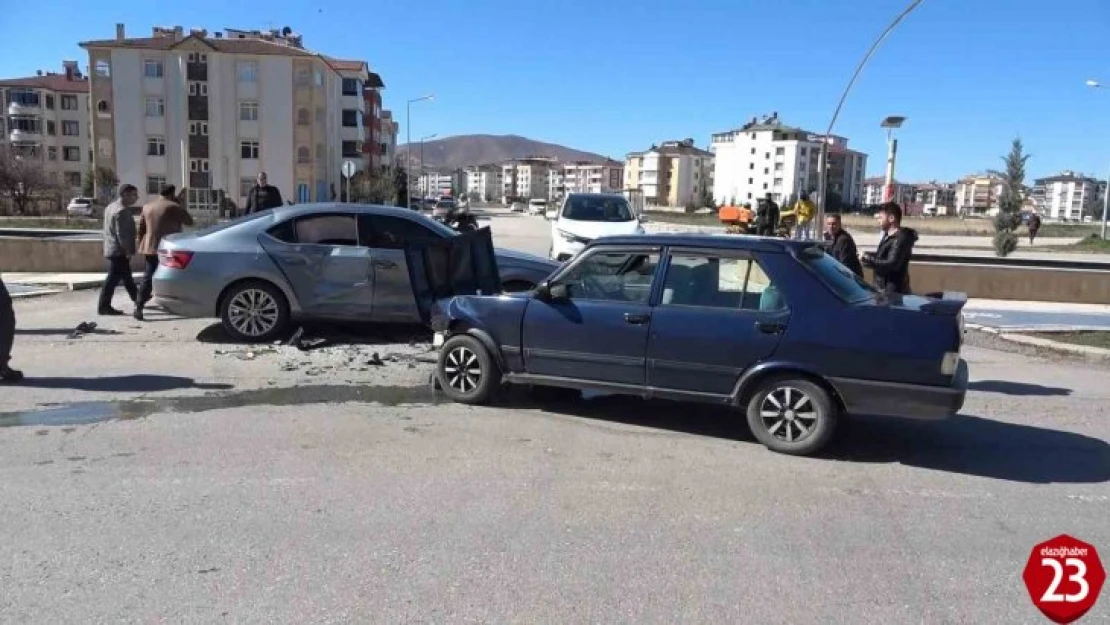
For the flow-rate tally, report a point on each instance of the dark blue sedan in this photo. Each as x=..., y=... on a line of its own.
x=776, y=328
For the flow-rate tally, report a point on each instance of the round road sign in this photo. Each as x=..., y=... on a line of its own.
x=1064, y=577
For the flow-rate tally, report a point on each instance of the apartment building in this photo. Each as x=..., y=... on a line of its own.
x=484, y=182
x=767, y=156
x=527, y=178
x=371, y=85
x=937, y=198
x=591, y=177
x=978, y=194
x=874, y=188
x=46, y=118
x=388, y=142
x=673, y=173
x=209, y=111
x=1066, y=195
x=435, y=183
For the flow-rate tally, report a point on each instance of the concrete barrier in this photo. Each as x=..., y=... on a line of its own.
x=37, y=255
x=1001, y=282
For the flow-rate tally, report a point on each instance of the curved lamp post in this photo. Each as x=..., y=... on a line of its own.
x=1094, y=84
x=823, y=165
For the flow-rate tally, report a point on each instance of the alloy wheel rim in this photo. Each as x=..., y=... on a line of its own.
x=462, y=369
x=253, y=312
x=788, y=414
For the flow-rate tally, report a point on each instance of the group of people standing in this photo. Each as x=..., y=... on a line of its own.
x=890, y=262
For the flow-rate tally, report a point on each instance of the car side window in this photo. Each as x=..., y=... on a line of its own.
x=392, y=233
x=760, y=293
x=327, y=230
x=719, y=282
x=613, y=277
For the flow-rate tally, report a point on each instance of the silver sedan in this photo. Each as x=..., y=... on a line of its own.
x=330, y=261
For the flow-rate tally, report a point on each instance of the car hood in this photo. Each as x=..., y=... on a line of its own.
x=513, y=257
x=593, y=229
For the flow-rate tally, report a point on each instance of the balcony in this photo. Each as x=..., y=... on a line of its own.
x=15, y=108
x=25, y=136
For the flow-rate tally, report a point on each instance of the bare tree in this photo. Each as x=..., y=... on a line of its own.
x=23, y=179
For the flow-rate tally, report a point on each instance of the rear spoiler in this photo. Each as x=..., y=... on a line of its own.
x=946, y=303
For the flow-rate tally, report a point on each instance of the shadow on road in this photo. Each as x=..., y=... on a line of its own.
x=123, y=383
x=333, y=333
x=966, y=445
x=1004, y=387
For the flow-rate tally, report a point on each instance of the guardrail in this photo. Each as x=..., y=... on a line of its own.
x=1031, y=263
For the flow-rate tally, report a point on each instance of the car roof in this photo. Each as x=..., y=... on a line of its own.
x=298, y=210
x=716, y=241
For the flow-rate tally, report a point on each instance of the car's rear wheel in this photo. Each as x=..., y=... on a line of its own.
x=254, y=312
x=466, y=370
x=792, y=415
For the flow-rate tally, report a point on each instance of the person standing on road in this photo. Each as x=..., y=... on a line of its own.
x=262, y=196
x=842, y=246
x=159, y=218
x=804, y=210
x=7, y=336
x=891, y=261
x=1034, y=226
x=768, y=215
x=119, y=247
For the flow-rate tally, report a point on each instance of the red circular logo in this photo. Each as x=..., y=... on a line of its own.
x=1064, y=578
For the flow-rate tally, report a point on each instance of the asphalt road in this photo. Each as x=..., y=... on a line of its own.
x=152, y=472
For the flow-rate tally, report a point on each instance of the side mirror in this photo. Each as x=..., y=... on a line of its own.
x=551, y=292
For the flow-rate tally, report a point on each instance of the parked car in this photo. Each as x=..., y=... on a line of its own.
x=335, y=261
x=583, y=217
x=776, y=328
x=537, y=206
x=516, y=207
x=81, y=207
x=442, y=208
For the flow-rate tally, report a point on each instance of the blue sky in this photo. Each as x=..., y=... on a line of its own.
x=612, y=76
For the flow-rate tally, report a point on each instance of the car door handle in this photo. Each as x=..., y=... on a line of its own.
x=770, y=327
x=636, y=319
x=385, y=264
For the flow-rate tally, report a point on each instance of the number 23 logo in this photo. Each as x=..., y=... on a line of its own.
x=1051, y=595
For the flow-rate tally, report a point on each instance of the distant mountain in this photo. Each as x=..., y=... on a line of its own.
x=465, y=150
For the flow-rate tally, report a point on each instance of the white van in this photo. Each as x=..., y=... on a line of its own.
x=537, y=206
x=584, y=217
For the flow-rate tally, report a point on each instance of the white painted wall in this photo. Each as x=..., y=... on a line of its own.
x=275, y=88
x=128, y=114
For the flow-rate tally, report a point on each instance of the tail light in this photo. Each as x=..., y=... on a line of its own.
x=174, y=259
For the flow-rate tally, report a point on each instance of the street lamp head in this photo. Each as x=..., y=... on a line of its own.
x=1093, y=83
x=893, y=121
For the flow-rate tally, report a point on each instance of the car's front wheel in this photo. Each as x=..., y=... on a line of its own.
x=792, y=415
x=254, y=312
x=466, y=370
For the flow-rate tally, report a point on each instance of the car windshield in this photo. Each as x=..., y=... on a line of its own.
x=597, y=208
x=845, y=284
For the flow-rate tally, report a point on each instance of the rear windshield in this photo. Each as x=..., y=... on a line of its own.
x=597, y=208
x=845, y=284
x=224, y=225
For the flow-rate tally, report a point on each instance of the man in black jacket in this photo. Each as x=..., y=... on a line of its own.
x=891, y=261
x=767, y=217
x=842, y=246
x=262, y=196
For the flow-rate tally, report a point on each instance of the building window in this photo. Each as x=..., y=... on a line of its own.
x=248, y=71
x=73, y=178
x=245, y=186
x=350, y=118
x=198, y=88
x=51, y=128
x=152, y=68
x=304, y=155
x=248, y=111
x=195, y=57
x=103, y=68
x=155, y=184
x=198, y=129
x=777, y=182
x=52, y=153
x=319, y=78
x=352, y=149
x=50, y=102
x=155, y=107
x=71, y=154
x=780, y=151
x=103, y=108
x=69, y=103
x=778, y=166
x=248, y=149
x=753, y=149
x=155, y=146
x=70, y=128
x=198, y=164
x=303, y=118
x=766, y=171
x=766, y=155
x=352, y=86
x=751, y=181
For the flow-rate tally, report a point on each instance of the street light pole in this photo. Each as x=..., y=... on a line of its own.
x=1094, y=84
x=890, y=123
x=822, y=177
x=408, y=143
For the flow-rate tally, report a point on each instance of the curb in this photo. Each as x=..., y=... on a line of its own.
x=1013, y=337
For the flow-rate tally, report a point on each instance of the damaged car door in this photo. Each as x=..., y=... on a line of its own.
x=464, y=264
x=324, y=264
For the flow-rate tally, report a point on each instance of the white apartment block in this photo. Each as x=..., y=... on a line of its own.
x=590, y=177
x=670, y=174
x=209, y=112
x=768, y=157
x=1064, y=196
x=46, y=118
x=527, y=178
x=978, y=194
x=874, y=188
x=484, y=182
x=434, y=184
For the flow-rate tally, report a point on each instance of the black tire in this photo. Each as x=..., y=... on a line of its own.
x=466, y=371
x=272, y=319
x=775, y=415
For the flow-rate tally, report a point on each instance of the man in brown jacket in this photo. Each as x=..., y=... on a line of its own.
x=159, y=218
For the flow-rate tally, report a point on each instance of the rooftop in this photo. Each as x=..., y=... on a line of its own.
x=1066, y=176
x=69, y=81
x=671, y=148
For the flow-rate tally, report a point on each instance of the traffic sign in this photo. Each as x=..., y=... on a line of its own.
x=1064, y=577
x=349, y=169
